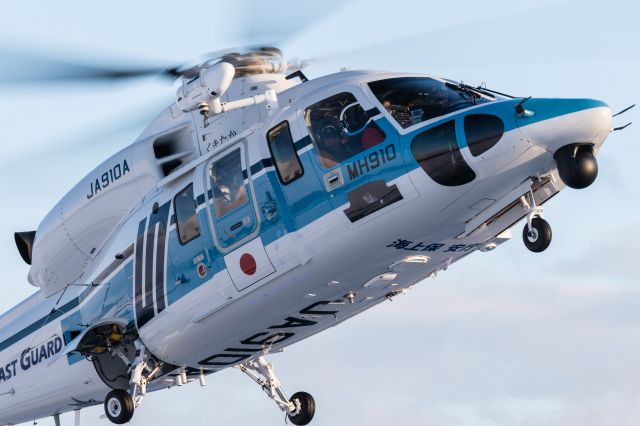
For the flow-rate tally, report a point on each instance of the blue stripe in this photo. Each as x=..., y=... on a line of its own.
x=545, y=108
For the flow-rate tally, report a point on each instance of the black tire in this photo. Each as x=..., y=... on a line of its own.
x=119, y=406
x=307, y=408
x=540, y=236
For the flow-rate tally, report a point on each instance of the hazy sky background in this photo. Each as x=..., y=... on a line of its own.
x=502, y=338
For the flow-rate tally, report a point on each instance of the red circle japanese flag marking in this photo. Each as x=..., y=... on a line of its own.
x=248, y=264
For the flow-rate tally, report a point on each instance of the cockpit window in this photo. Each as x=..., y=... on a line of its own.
x=412, y=100
x=340, y=128
x=483, y=131
x=284, y=153
x=186, y=217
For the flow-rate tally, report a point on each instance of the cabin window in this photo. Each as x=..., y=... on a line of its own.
x=228, y=183
x=340, y=128
x=439, y=155
x=184, y=205
x=483, y=131
x=412, y=100
x=283, y=152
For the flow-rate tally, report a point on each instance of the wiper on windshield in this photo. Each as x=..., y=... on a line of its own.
x=483, y=88
x=466, y=91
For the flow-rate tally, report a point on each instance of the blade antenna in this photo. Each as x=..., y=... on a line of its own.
x=623, y=111
x=615, y=129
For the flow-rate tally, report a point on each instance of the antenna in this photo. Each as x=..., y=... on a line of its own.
x=623, y=111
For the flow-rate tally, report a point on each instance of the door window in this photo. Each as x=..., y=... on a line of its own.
x=340, y=128
x=227, y=183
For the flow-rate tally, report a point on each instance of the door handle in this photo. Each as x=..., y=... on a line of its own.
x=333, y=180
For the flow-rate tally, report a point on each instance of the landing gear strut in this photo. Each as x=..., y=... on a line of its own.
x=537, y=231
x=119, y=404
x=300, y=408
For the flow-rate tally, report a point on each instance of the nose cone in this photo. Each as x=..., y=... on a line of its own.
x=559, y=122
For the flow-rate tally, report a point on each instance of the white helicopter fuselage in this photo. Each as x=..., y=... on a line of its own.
x=285, y=260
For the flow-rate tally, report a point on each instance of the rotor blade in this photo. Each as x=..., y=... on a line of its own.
x=278, y=21
x=262, y=27
x=451, y=46
x=256, y=24
x=25, y=68
x=86, y=137
x=429, y=40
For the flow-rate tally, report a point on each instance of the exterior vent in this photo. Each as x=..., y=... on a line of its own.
x=174, y=149
x=24, y=242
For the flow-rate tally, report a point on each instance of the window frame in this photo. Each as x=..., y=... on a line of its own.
x=295, y=151
x=195, y=210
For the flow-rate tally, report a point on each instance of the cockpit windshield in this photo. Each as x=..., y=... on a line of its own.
x=412, y=100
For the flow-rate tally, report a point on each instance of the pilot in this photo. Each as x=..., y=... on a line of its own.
x=399, y=112
x=332, y=150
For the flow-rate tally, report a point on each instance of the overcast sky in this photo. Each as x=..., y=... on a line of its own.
x=502, y=338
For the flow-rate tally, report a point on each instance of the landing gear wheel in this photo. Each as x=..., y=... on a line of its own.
x=305, y=408
x=119, y=406
x=539, y=237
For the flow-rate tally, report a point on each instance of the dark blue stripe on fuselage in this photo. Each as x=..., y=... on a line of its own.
x=302, y=143
x=37, y=325
x=262, y=164
x=67, y=307
x=373, y=112
x=139, y=250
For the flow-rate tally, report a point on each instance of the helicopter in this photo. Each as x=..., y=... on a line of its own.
x=263, y=207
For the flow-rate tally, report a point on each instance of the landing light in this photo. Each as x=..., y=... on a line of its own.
x=416, y=259
x=387, y=276
x=488, y=247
